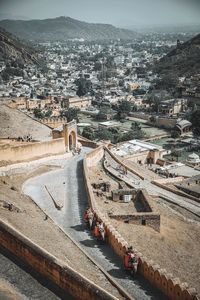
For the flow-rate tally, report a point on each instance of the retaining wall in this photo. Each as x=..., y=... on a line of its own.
x=123, y=164
x=143, y=197
x=175, y=191
x=171, y=287
x=49, y=266
x=10, y=154
x=147, y=219
x=87, y=143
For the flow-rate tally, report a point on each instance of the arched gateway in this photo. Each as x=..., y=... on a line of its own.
x=69, y=132
x=70, y=135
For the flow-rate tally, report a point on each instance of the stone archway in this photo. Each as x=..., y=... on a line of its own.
x=70, y=135
x=72, y=140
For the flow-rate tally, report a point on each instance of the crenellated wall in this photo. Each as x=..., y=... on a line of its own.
x=54, y=122
x=49, y=266
x=158, y=277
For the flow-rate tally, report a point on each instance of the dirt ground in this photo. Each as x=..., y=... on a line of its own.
x=14, y=123
x=176, y=248
x=30, y=220
x=8, y=292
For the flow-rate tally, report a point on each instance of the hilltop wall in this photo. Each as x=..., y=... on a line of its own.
x=49, y=266
x=10, y=154
x=158, y=277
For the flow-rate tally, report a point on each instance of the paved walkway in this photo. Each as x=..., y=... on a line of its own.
x=70, y=219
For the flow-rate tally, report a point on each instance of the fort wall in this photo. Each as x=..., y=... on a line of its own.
x=164, y=185
x=54, y=122
x=10, y=154
x=159, y=278
x=49, y=266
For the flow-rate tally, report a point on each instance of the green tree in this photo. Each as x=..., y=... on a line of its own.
x=88, y=133
x=38, y=113
x=123, y=109
x=71, y=114
x=48, y=113
x=176, y=153
x=103, y=111
x=195, y=120
x=84, y=86
x=103, y=134
x=175, y=134
x=124, y=106
x=136, y=126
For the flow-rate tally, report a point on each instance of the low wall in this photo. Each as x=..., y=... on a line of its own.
x=139, y=116
x=151, y=271
x=49, y=266
x=165, y=122
x=168, y=188
x=143, y=197
x=123, y=164
x=10, y=154
x=95, y=156
x=87, y=143
x=148, y=219
x=169, y=180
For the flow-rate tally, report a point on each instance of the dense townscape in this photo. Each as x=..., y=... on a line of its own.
x=100, y=154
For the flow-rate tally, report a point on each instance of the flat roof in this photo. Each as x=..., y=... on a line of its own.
x=109, y=123
x=133, y=147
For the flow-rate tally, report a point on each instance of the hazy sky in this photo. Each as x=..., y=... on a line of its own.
x=117, y=12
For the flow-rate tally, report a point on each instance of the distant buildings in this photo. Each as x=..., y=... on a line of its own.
x=76, y=102
x=172, y=107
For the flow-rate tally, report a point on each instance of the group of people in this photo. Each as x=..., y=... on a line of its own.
x=96, y=225
x=130, y=259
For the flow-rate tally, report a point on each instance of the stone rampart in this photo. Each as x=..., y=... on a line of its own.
x=49, y=266
x=175, y=191
x=147, y=219
x=10, y=154
x=54, y=122
x=124, y=165
x=159, y=278
x=87, y=143
x=169, y=180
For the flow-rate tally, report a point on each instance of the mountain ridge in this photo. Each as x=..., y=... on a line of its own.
x=183, y=60
x=64, y=28
x=11, y=48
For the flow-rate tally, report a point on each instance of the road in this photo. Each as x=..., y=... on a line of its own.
x=70, y=219
x=137, y=182
x=28, y=283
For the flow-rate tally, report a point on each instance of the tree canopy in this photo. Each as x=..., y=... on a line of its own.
x=195, y=120
x=71, y=114
x=83, y=86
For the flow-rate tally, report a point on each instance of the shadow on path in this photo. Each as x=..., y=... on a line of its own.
x=24, y=276
x=104, y=254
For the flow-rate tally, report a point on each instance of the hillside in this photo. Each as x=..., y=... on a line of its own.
x=64, y=28
x=12, y=49
x=14, y=123
x=183, y=60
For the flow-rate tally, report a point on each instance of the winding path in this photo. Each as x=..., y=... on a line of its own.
x=70, y=220
x=135, y=181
